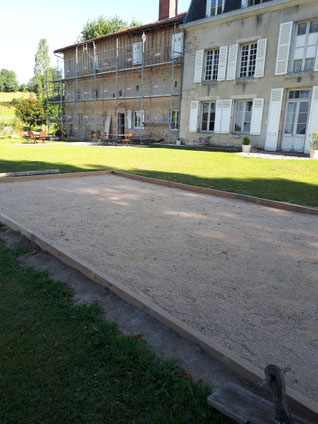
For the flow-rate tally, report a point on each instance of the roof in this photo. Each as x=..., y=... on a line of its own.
x=162, y=22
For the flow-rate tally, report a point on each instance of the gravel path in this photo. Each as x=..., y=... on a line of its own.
x=243, y=274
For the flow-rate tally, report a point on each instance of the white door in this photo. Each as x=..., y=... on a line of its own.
x=297, y=112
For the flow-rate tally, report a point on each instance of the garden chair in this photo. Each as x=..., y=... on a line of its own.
x=32, y=136
x=42, y=136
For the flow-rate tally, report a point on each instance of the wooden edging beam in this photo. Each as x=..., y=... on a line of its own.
x=298, y=403
x=219, y=193
x=53, y=176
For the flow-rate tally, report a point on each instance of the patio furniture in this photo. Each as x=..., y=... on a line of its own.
x=42, y=136
x=32, y=136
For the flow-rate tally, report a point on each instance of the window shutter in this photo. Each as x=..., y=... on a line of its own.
x=142, y=118
x=96, y=61
x=313, y=119
x=198, y=66
x=231, y=67
x=137, y=53
x=208, y=8
x=129, y=119
x=260, y=58
x=222, y=63
x=316, y=62
x=283, y=48
x=177, y=45
x=257, y=116
x=226, y=116
x=273, y=121
x=193, y=121
x=218, y=116
x=223, y=116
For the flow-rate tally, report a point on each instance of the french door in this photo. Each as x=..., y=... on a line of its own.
x=295, y=127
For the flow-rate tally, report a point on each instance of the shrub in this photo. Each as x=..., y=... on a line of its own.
x=31, y=112
x=246, y=141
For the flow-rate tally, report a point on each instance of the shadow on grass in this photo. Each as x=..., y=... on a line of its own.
x=269, y=188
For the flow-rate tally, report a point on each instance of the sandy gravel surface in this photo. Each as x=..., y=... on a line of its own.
x=243, y=274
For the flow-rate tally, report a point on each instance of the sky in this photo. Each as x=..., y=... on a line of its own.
x=24, y=23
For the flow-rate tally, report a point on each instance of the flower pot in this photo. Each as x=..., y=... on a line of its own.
x=313, y=154
x=246, y=148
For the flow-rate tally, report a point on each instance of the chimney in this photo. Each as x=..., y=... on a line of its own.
x=168, y=9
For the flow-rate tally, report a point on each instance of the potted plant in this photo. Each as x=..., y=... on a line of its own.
x=246, y=144
x=314, y=146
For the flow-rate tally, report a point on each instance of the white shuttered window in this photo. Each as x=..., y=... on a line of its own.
x=177, y=45
x=223, y=116
x=260, y=58
x=222, y=63
x=198, y=66
x=137, y=53
x=232, y=62
x=273, y=122
x=193, y=118
x=284, y=40
x=257, y=116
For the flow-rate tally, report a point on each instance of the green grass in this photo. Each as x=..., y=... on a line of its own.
x=7, y=112
x=8, y=97
x=285, y=180
x=61, y=363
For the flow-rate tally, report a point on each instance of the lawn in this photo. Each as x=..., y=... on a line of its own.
x=61, y=363
x=286, y=180
x=8, y=97
x=7, y=112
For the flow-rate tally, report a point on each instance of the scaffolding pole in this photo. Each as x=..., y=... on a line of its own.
x=171, y=89
x=142, y=117
x=61, y=94
x=95, y=88
x=117, y=92
x=47, y=105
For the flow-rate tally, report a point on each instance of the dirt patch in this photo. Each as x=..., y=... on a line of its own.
x=240, y=273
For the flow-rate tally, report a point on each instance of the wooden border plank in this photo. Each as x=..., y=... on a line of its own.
x=219, y=193
x=27, y=173
x=53, y=176
x=299, y=404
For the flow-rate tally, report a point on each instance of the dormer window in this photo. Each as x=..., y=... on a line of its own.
x=248, y=3
x=214, y=7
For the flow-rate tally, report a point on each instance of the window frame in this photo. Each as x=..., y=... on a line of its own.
x=174, y=119
x=209, y=116
x=209, y=7
x=245, y=3
x=138, y=114
x=248, y=61
x=245, y=101
x=303, y=65
x=213, y=72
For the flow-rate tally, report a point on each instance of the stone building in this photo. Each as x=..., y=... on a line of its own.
x=251, y=68
x=126, y=82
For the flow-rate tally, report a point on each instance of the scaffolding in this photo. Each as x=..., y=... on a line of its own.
x=80, y=88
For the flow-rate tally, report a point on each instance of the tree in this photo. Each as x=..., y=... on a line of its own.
x=32, y=86
x=8, y=81
x=42, y=63
x=103, y=26
x=30, y=111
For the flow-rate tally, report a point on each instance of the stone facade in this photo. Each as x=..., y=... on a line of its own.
x=128, y=82
x=252, y=71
